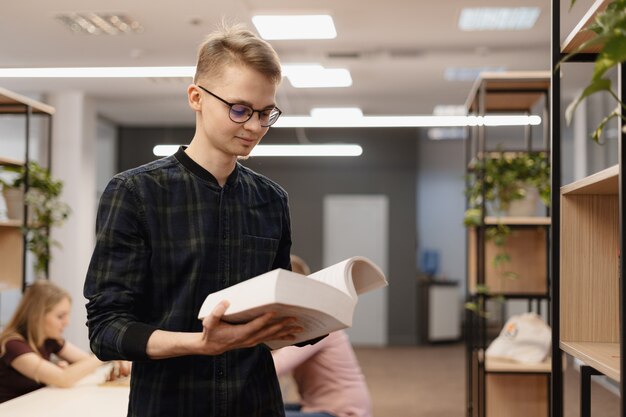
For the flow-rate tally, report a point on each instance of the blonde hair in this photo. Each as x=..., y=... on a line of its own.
x=236, y=45
x=27, y=321
x=298, y=265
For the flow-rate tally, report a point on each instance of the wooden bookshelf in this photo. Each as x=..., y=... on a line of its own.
x=504, y=366
x=11, y=248
x=517, y=395
x=524, y=244
x=605, y=357
x=579, y=35
x=519, y=221
x=514, y=91
x=13, y=103
x=589, y=313
x=11, y=236
x=10, y=162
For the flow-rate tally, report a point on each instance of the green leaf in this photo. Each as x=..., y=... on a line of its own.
x=596, y=135
x=601, y=84
x=613, y=53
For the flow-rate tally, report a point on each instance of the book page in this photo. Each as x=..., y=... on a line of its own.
x=353, y=276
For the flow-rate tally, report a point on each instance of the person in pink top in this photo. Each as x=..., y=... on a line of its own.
x=327, y=374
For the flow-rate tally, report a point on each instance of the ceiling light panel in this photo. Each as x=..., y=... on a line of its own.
x=498, y=18
x=468, y=73
x=281, y=27
x=316, y=76
x=91, y=23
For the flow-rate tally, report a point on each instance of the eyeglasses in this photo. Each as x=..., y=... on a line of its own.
x=241, y=113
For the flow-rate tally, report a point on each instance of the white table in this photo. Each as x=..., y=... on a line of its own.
x=89, y=398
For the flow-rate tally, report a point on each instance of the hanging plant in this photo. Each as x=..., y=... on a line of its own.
x=500, y=179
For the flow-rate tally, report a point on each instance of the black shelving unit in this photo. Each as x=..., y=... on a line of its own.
x=492, y=385
x=590, y=210
x=12, y=238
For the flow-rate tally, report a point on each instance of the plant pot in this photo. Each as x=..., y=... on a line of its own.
x=14, y=199
x=525, y=207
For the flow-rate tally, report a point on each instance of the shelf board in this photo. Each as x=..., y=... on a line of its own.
x=579, y=35
x=518, y=221
x=514, y=91
x=504, y=366
x=13, y=103
x=10, y=162
x=10, y=223
x=605, y=357
x=603, y=182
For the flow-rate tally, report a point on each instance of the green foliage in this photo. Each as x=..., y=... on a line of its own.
x=46, y=209
x=500, y=179
x=610, y=32
x=504, y=178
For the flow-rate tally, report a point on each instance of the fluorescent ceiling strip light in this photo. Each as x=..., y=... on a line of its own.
x=99, y=72
x=284, y=150
x=337, y=112
x=307, y=150
x=408, y=121
x=295, y=27
x=498, y=18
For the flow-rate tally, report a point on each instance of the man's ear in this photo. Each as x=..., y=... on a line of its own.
x=194, y=98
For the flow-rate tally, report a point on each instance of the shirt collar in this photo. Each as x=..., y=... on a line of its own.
x=199, y=171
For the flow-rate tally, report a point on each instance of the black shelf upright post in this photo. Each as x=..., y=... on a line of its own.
x=556, y=380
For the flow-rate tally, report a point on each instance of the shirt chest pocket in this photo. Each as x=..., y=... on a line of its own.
x=258, y=254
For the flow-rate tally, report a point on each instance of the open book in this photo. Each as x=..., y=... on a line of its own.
x=322, y=302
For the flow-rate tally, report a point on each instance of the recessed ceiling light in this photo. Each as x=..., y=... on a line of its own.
x=498, y=18
x=468, y=73
x=316, y=76
x=450, y=110
x=91, y=23
x=295, y=27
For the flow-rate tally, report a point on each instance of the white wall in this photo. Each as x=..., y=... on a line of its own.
x=74, y=162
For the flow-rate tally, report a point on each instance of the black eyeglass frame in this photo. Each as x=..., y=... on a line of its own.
x=230, y=107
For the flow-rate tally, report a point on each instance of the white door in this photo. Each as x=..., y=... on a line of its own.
x=358, y=225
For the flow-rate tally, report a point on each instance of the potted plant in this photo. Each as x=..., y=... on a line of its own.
x=610, y=32
x=45, y=208
x=502, y=178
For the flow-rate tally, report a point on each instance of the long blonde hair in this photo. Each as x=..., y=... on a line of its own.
x=27, y=321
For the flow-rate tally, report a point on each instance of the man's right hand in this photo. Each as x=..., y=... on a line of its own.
x=219, y=336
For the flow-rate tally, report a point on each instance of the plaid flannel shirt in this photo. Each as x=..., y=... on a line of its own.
x=168, y=235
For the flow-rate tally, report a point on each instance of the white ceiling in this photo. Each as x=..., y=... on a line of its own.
x=396, y=50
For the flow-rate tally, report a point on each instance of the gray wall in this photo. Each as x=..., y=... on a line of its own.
x=388, y=166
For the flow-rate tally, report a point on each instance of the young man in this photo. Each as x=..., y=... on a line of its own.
x=174, y=230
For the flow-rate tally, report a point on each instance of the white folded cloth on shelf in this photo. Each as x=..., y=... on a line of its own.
x=525, y=338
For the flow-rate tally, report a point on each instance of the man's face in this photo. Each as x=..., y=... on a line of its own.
x=238, y=84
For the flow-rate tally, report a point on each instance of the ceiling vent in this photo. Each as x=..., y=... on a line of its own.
x=408, y=53
x=90, y=23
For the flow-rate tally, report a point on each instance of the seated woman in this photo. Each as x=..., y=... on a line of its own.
x=32, y=336
x=327, y=374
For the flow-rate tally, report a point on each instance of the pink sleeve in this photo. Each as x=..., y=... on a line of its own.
x=289, y=358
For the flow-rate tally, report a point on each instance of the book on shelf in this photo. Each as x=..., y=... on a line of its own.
x=322, y=302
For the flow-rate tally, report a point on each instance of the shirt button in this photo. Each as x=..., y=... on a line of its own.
x=220, y=373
